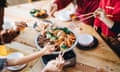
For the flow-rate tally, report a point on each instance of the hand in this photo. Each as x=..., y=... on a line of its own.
x=119, y=37
x=54, y=65
x=100, y=13
x=48, y=49
x=53, y=9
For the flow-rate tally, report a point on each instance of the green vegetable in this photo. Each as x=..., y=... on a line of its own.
x=54, y=38
x=34, y=11
x=66, y=30
x=49, y=35
x=64, y=46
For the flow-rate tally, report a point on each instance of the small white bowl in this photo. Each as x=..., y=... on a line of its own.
x=15, y=55
x=63, y=15
x=85, y=39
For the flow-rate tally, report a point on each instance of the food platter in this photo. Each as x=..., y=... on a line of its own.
x=63, y=39
x=39, y=13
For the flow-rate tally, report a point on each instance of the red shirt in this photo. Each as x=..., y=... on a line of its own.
x=83, y=6
x=112, y=8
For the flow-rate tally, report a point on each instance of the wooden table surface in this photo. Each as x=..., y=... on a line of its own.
x=101, y=56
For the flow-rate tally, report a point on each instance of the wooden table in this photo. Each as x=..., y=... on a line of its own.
x=101, y=56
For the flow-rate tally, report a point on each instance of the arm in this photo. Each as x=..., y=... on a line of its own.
x=25, y=59
x=57, y=5
x=113, y=25
x=100, y=13
x=47, y=50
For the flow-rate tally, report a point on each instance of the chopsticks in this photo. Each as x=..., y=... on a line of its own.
x=87, y=16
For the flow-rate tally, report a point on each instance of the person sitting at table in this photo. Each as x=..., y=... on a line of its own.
x=107, y=22
x=83, y=7
x=52, y=66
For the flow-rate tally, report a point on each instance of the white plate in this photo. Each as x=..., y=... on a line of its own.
x=16, y=55
x=63, y=15
x=85, y=39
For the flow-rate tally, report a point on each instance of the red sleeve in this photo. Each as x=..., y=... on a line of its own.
x=62, y=3
x=116, y=12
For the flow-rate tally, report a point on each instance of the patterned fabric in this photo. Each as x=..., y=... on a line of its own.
x=3, y=62
x=112, y=8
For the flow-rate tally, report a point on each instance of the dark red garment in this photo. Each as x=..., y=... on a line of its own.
x=83, y=6
x=112, y=8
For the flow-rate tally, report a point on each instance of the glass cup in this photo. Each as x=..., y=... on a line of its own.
x=3, y=50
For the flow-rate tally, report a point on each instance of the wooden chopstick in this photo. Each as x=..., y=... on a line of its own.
x=88, y=14
x=86, y=18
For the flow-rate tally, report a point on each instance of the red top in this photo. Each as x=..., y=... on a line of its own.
x=112, y=8
x=83, y=6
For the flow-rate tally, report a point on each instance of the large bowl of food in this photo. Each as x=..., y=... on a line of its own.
x=61, y=37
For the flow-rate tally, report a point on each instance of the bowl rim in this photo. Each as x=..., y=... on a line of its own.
x=17, y=67
x=90, y=36
x=57, y=52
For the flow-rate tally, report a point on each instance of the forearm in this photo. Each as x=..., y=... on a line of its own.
x=62, y=3
x=25, y=59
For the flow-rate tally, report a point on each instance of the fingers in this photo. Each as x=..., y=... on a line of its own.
x=99, y=12
x=60, y=61
x=53, y=9
x=119, y=34
x=119, y=37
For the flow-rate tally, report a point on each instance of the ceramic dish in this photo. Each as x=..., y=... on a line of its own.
x=63, y=15
x=40, y=45
x=15, y=55
x=85, y=39
x=93, y=45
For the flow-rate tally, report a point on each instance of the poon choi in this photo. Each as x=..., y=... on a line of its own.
x=61, y=38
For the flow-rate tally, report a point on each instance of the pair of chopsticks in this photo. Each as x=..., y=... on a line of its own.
x=86, y=16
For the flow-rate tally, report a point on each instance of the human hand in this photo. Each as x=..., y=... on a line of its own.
x=53, y=9
x=54, y=65
x=100, y=13
x=48, y=49
x=119, y=37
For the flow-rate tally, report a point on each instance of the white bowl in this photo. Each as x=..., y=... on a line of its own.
x=85, y=39
x=63, y=15
x=16, y=55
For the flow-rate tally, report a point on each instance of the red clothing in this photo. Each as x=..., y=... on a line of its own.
x=83, y=6
x=114, y=11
